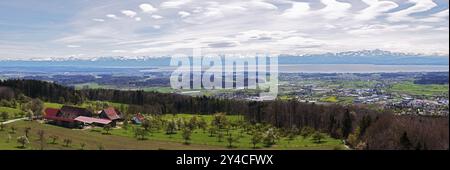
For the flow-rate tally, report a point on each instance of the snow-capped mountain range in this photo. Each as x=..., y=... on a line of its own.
x=377, y=56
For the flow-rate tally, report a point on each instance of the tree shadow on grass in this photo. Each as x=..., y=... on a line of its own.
x=21, y=147
x=319, y=142
x=231, y=147
x=142, y=139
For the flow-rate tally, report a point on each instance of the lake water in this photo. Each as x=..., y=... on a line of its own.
x=297, y=68
x=359, y=68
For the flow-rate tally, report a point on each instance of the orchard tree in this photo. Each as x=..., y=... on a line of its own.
x=219, y=120
x=317, y=137
x=270, y=137
x=67, y=142
x=212, y=130
x=5, y=116
x=256, y=138
x=146, y=124
x=36, y=106
x=107, y=128
x=54, y=138
x=126, y=122
x=13, y=130
x=202, y=124
x=171, y=127
x=2, y=126
x=306, y=132
x=30, y=115
x=27, y=131
x=231, y=139
x=140, y=133
x=23, y=140
x=220, y=136
x=192, y=124
x=186, y=134
x=291, y=136
x=41, y=139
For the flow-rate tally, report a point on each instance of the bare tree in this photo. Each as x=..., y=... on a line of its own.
x=23, y=140
x=41, y=139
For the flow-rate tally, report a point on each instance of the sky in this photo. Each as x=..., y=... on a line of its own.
x=31, y=29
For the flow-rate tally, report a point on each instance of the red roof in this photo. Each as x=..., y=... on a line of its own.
x=72, y=112
x=111, y=113
x=91, y=120
x=52, y=114
x=51, y=111
x=140, y=117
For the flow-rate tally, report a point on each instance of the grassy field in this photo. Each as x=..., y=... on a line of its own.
x=12, y=112
x=330, y=99
x=244, y=142
x=123, y=139
x=91, y=86
x=158, y=89
x=52, y=105
x=92, y=140
x=418, y=89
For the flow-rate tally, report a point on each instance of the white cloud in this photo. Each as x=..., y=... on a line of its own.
x=334, y=9
x=119, y=51
x=437, y=17
x=260, y=4
x=297, y=10
x=112, y=16
x=98, y=20
x=419, y=6
x=129, y=13
x=375, y=9
x=174, y=3
x=157, y=17
x=147, y=8
x=138, y=18
x=184, y=14
x=157, y=27
x=73, y=46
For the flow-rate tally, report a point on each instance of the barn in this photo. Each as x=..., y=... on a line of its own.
x=111, y=114
x=66, y=115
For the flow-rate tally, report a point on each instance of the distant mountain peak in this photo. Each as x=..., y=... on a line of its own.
x=361, y=53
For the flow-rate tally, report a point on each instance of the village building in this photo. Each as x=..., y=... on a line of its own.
x=138, y=119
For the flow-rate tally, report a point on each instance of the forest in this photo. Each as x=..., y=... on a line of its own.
x=360, y=126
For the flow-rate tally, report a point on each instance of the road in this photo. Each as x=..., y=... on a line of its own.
x=14, y=120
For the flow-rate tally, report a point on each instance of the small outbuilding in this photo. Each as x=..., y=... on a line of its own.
x=111, y=114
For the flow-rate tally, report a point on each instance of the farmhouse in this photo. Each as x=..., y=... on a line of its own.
x=72, y=117
x=56, y=116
